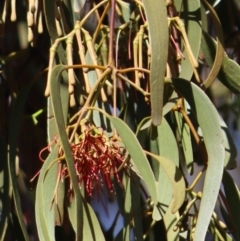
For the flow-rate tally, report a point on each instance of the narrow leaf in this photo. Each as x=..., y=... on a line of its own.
x=175, y=176
x=185, y=139
x=233, y=199
x=57, y=108
x=168, y=148
x=44, y=214
x=230, y=70
x=156, y=13
x=208, y=120
x=137, y=155
x=191, y=17
x=91, y=227
x=229, y=147
x=219, y=49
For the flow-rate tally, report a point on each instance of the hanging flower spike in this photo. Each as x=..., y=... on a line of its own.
x=96, y=160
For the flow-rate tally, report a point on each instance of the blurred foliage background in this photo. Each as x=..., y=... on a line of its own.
x=128, y=85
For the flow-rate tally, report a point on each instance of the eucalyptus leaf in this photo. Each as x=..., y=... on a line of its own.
x=233, y=199
x=229, y=146
x=170, y=221
x=191, y=17
x=220, y=47
x=136, y=207
x=44, y=213
x=185, y=139
x=229, y=71
x=59, y=117
x=168, y=148
x=159, y=39
x=91, y=227
x=204, y=111
x=137, y=155
x=176, y=179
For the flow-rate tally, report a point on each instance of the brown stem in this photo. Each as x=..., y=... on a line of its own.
x=111, y=37
x=193, y=130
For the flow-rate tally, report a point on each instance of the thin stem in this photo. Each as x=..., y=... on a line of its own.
x=193, y=130
x=133, y=84
x=123, y=71
x=90, y=96
x=196, y=180
x=111, y=37
x=100, y=22
x=114, y=76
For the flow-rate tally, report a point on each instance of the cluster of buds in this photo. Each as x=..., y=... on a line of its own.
x=97, y=160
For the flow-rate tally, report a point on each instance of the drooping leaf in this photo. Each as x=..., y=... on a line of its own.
x=191, y=17
x=233, y=199
x=49, y=13
x=176, y=179
x=168, y=148
x=219, y=48
x=229, y=146
x=61, y=125
x=229, y=71
x=136, y=207
x=98, y=118
x=52, y=134
x=185, y=139
x=208, y=120
x=170, y=220
x=91, y=227
x=44, y=196
x=137, y=155
x=156, y=14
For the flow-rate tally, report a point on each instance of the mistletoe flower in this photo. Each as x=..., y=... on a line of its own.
x=97, y=160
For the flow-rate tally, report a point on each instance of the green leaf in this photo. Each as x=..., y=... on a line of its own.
x=170, y=221
x=156, y=14
x=167, y=148
x=98, y=118
x=175, y=176
x=49, y=13
x=208, y=120
x=229, y=146
x=230, y=70
x=136, y=207
x=191, y=17
x=185, y=139
x=219, y=49
x=44, y=195
x=126, y=10
x=59, y=118
x=52, y=132
x=91, y=227
x=233, y=199
x=171, y=102
x=137, y=155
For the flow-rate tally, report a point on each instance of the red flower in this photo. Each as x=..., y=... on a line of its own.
x=97, y=160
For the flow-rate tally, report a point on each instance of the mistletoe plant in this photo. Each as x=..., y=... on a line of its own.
x=129, y=117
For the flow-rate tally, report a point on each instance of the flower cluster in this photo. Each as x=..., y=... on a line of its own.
x=97, y=159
